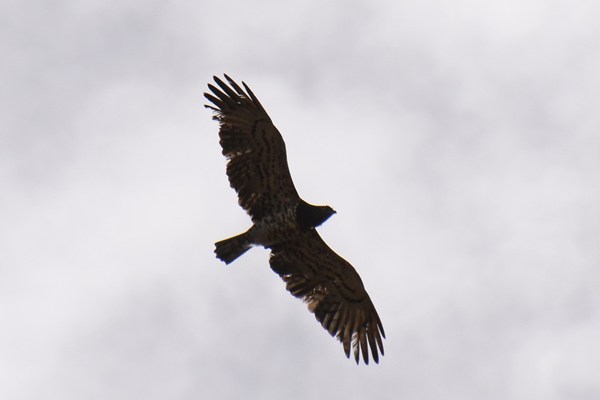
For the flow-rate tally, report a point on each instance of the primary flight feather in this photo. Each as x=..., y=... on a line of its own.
x=284, y=223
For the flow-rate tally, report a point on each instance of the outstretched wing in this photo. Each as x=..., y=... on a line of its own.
x=257, y=168
x=333, y=290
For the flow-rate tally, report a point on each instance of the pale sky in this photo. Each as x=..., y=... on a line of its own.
x=458, y=142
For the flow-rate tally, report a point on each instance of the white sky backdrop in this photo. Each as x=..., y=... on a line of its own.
x=458, y=141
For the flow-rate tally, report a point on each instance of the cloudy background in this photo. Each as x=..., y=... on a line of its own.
x=458, y=142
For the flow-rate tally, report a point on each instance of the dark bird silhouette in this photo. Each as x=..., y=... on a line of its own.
x=284, y=223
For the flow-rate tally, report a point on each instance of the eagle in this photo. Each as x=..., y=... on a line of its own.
x=257, y=169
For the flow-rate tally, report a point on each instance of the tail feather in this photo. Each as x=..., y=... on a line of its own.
x=229, y=249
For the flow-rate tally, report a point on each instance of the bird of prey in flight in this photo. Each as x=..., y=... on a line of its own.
x=284, y=223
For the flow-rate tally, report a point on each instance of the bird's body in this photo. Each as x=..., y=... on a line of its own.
x=257, y=169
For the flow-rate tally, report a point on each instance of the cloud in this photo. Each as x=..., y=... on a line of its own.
x=456, y=141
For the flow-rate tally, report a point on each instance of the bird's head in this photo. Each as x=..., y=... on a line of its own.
x=309, y=216
x=322, y=214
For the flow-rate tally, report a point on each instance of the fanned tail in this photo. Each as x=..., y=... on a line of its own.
x=229, y=249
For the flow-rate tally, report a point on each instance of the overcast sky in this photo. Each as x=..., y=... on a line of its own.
x=458, y=141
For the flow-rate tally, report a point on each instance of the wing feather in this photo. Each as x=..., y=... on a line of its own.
x=334, y=293
x=257, y=162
